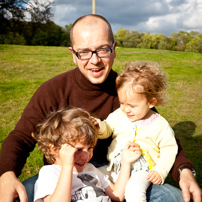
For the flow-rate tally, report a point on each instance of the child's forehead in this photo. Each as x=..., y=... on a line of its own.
x=82, y=144
x=81, y=141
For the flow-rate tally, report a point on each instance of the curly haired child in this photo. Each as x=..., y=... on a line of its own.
x=67, y=138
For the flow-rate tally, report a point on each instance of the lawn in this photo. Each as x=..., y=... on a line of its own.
x=24, y=68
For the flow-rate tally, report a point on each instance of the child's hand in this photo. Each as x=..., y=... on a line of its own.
x=154, y=177
x=131, y=152
x=94, y=121
x=66, y=155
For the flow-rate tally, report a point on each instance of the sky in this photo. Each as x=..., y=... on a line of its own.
x=154, y=16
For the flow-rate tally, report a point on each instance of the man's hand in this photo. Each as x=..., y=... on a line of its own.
x=189, y=186
x=11, y=187
x=154, y=177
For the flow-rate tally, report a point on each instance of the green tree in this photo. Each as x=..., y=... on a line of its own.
x=195, y=45
x=199, y=45
x=167, y=44
x=48, y=34
x=181, y=38
x=121, y=35
x=194, y=34
x=14, y=38
x=146, y=41
x=66, y=35
x=13, y=16
x=132, y=39
x=156, y=39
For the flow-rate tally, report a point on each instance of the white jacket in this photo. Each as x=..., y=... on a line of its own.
x=156, y=139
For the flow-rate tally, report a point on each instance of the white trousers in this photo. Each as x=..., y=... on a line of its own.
x=136, y=187
x=135, y=190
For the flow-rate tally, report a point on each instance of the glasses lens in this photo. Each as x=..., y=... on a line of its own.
x=84, y=54
x=103, y=52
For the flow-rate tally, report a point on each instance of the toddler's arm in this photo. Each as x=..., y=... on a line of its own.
x=104, y=130
x=131, y=153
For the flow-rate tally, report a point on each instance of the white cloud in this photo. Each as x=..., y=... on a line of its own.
x=154, y=16
x=60, y=13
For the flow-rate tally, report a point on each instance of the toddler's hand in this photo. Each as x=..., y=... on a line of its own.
x=154, y=177
x=95, y=123
x=131, y=152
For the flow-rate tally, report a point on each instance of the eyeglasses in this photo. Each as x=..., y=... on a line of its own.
x=101, y=53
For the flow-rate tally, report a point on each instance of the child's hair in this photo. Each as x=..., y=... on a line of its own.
x=149, y=75
x=64, y=126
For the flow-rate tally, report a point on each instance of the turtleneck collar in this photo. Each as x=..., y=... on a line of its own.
x=85, y=84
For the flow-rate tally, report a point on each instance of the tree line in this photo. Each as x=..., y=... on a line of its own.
x=181, y=41
x=26, y=22
x=32, y=25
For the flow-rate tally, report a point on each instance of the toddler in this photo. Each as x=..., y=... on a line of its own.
x=140, y=87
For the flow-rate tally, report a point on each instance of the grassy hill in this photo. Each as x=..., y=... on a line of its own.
x=24, y=68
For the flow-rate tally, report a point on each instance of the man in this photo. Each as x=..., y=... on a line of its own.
x=90, y=86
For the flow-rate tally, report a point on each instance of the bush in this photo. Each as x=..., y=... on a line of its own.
x=2, y=37
x=14, y=38
x=195, y=45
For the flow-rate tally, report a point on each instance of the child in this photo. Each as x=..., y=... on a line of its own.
x=67, y=139
x=140, y=87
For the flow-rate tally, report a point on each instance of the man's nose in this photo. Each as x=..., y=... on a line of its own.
x=94, y=59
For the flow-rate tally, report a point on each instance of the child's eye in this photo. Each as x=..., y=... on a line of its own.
x=90, y=148
x=78, y=150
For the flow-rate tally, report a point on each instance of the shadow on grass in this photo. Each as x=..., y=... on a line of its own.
x=191, y=144
x=184, y=129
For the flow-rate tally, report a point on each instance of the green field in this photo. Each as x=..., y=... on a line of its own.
x=24, y=68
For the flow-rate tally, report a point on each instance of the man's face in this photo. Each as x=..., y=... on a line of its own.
x=95, y=69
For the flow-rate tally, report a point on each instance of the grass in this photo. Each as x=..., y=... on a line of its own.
x=24, y=68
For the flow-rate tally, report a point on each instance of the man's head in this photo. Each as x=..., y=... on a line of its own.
x=90, y=33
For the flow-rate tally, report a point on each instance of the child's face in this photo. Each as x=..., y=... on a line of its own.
x=134, y=105
x=82, y=156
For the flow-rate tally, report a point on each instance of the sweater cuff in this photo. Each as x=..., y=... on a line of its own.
x=176, y=167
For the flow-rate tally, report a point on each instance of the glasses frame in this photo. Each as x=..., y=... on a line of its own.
x=92, y=52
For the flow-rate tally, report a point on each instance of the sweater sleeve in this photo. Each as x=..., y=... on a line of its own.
x=105, y=130
x=181, y=160
x=19, y=143
x=168, y=151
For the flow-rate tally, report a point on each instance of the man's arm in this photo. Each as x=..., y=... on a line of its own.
x=186, y=179
x=19, y=143
x=11, y=187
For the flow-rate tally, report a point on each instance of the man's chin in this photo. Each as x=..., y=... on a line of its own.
x=98, y=80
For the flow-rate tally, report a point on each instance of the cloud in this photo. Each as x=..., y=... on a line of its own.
x=154, y=16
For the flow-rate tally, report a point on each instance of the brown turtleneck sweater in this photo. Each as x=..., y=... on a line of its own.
x=67, y=89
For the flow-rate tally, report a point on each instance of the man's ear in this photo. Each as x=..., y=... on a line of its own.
x=74, y=56
x=152, y=102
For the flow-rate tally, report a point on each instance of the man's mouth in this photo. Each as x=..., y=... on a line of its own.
x=97, y=70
